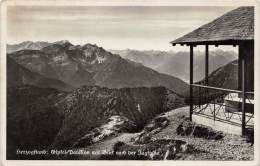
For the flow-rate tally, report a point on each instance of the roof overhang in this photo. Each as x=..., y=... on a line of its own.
x=232, y=28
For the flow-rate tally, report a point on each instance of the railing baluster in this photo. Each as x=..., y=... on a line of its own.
x=214, y=108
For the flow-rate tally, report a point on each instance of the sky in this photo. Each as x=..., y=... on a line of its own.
x=111, y=27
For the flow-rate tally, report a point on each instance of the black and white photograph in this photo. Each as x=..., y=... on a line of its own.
x=130, y=82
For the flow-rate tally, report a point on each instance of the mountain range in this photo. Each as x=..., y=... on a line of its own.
x=64, y=96
x=77, y=65
x=177, y=63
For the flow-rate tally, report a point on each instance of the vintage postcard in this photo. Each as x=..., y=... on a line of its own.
x=136, y=82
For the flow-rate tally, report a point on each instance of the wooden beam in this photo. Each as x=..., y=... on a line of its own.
x=217, y=43
x=191, y=82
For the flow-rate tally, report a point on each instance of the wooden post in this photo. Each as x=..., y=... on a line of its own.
x=242, y=74
x=207, y=76
x=243, y=94
x=191, y=81
x=240, y=57
x=207, y=64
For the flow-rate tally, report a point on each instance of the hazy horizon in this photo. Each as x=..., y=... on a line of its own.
x=200, y=48
x=111, y=27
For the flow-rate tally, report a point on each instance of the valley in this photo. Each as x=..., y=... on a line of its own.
x=177, y=63
x=75, y=119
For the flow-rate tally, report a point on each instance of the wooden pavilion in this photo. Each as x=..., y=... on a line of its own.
x=235, y=28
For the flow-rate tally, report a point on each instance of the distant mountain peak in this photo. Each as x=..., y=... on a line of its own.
x=91, y=46
x=26, y=42
x=26, y=45
x=63, y=42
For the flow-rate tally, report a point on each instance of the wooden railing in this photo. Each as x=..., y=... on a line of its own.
x=215, y=97
x=220, y=89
